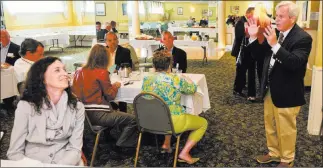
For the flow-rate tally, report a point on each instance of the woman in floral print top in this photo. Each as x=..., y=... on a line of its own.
x=170, y=87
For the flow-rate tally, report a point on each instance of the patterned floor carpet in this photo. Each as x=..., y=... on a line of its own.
x=235, y=134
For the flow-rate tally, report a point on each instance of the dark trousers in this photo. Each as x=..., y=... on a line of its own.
x=121, y=106
x=124, y=123
x=8, y=102
x=248, y=64
x=260, y=65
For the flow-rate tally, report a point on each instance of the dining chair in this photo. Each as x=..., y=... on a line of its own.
x=153, y=116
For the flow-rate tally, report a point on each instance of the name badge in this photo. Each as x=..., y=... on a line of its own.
x=10, y=55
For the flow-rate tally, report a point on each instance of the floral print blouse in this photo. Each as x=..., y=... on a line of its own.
x=169, y=87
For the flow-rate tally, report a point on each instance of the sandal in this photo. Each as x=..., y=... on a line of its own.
x=194, y=160
x=169, y=150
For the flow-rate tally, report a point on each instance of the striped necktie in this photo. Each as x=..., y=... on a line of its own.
x=280, y=41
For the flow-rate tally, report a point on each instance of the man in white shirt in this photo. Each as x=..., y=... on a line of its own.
x=282, y=86
x=118, y=55
x=9, y=50
x=9, y=55
x=31, y=51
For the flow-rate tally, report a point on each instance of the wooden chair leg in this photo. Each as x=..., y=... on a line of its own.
x=138, y=147
x=95, y=148
x=176, y=151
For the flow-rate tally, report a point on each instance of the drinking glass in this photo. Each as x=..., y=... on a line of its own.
x=174, y=70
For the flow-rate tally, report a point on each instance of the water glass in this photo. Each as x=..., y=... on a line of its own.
x=179, y=72
x=142, y=70
x=174, y=70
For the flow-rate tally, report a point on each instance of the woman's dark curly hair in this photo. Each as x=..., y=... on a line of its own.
x=35, y=90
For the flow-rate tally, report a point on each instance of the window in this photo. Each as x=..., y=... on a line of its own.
x=141, y=7
x=34, y=6
x=89, y=6
x=156, y=7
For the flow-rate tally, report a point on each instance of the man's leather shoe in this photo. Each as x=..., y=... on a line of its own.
x=266, y=159
x=284, y=164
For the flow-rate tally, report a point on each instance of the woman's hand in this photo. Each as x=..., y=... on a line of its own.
x=252, y=28
x=117, y=84
x=189, y=80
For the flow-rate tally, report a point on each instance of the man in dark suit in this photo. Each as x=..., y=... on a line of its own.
x=282, y=84
x=247, y=62
x=9, y=55
x=9, y=50
x=100, y=33
x=179, y=55
x=118, y=55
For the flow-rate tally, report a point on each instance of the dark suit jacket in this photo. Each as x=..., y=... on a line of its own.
x=286, y=80
x=14, y=49
x=122, y=56
x=114, y=30
x=100, y=35
x=179, y=56
x=239, y=31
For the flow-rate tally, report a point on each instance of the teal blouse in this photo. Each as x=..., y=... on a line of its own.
x=169, y=87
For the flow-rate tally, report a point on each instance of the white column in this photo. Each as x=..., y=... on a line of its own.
x=135, y=18
x=221, y=24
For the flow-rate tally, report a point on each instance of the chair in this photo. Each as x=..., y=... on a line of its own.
x=95, y=128
x=156, y=121
x=134, y=58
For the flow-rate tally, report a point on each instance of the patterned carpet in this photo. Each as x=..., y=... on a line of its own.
x=235, y=134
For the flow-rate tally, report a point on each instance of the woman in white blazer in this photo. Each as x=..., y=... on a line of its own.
x=49, y=120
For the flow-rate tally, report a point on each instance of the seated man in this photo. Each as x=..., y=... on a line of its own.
x=9, y=55
x=117, y=56
x=108, y=27
x=179, y=55
x=9, y=50
x=113, y=25
x=100, y=32
x=31, y=51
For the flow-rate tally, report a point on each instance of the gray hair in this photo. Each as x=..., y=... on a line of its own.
x=293, y=9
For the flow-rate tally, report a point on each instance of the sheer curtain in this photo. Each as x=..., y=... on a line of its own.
x=156, y=7
x=15, y=7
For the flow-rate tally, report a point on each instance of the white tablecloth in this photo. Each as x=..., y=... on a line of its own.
x=29, y=163
x=195, y=104
x=8, y=83
x=43, y=37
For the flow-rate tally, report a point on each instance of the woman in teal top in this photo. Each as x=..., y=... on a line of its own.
x=170, y=87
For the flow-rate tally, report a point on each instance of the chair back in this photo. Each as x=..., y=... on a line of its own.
x=134, y=57
x=153, y=114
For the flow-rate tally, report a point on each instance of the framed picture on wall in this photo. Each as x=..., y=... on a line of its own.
x=234, y=9
x=124, y=9
x=100, y=9
x=205, y=12
x=179, y=11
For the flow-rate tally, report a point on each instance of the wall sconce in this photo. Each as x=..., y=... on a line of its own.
x=192, y=9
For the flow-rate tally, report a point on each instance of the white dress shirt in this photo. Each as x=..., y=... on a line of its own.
x=4, y=52
x=112, y=59
x=21, y=68
x=276, y=47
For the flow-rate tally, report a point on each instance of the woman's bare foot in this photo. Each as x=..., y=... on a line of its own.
x=187, y=158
